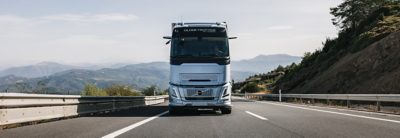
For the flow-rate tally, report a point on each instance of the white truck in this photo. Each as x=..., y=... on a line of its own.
x=200, y=67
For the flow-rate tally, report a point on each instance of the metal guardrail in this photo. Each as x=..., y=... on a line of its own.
x=378, y=98
x=352, y=97
x=19, y=108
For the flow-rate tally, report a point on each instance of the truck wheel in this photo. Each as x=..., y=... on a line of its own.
x=173, y=111
x=226, y=110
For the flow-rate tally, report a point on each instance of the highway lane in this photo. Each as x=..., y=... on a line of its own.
x=85, y=126
x=248, y=119
x=311, y=123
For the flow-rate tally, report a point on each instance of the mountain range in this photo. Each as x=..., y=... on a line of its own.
x=37, y=70
x=58, y=78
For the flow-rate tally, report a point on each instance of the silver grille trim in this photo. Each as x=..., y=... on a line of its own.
x=190, y=92
x=199, y=76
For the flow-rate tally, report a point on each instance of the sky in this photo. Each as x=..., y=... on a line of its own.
x=122, y=31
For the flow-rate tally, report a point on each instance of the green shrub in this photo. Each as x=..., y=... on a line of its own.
x=251, y=88
x=121, y=90
x=92, y=90
x=151, y=90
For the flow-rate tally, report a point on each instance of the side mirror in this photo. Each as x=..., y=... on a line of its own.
x=232, y=37
x=169, y=41
x=167, y=37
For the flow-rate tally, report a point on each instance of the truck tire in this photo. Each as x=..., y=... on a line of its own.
x=226, y=110
x=173, y=111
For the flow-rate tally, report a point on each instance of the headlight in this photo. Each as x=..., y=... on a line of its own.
x=225, y=93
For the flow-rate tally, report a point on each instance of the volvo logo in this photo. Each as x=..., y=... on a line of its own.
x=199, y=92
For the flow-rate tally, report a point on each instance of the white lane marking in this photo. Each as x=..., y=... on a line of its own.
x=340, y=109
x=356, y=111
x=332, y=112
x=126, y=129
x=255, y=115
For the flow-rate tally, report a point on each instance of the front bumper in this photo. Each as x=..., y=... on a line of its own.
x=181, y=103
x=222, y=98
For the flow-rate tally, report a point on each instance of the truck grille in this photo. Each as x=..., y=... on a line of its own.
x=187, y=77
x=199, y=98
x=198, y=92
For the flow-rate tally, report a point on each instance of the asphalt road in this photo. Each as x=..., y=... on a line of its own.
x=248, y=119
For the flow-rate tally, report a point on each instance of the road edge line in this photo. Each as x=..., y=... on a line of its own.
x=255, y=115
x=337, y=113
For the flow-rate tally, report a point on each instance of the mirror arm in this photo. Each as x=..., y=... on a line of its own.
x=167, y=37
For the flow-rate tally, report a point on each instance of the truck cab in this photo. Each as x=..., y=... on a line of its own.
x=199, y=67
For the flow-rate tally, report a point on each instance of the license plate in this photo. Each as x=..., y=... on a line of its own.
x=199, y=104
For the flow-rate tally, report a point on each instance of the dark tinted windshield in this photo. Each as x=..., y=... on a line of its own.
x=200, y=47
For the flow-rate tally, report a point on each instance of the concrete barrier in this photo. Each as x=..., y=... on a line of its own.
x=19, y=108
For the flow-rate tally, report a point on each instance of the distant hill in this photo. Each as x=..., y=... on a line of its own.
x=11, y=79
x=240, y=75
x=49, y=68
x=137, y=76
x=37, y=70
x=264, y=63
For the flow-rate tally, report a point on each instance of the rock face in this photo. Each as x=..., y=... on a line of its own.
x=375, y=69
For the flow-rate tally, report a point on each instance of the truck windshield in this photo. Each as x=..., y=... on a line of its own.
x=200, y=47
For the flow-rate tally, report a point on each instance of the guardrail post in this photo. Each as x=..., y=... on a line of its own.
x=348, y=103
x=113, y=104
x=280, y=95
x=378, y=106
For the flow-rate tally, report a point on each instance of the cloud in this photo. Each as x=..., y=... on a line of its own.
x=14, y=26
x=84, y=41
x=280, y=27
x=91, y=17
x=11, y=19
x=242, y=35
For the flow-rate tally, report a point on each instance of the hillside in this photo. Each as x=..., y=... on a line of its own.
x=364, y=58
x=375, y=69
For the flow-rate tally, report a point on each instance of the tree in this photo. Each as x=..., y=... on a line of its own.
x=120, y=90
x=41, y=87
x=280, y=68
x=350, y=13
x=22, y=87
x=150, y=91
x=92, y=90
x=164, y=92
x=251, y=88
